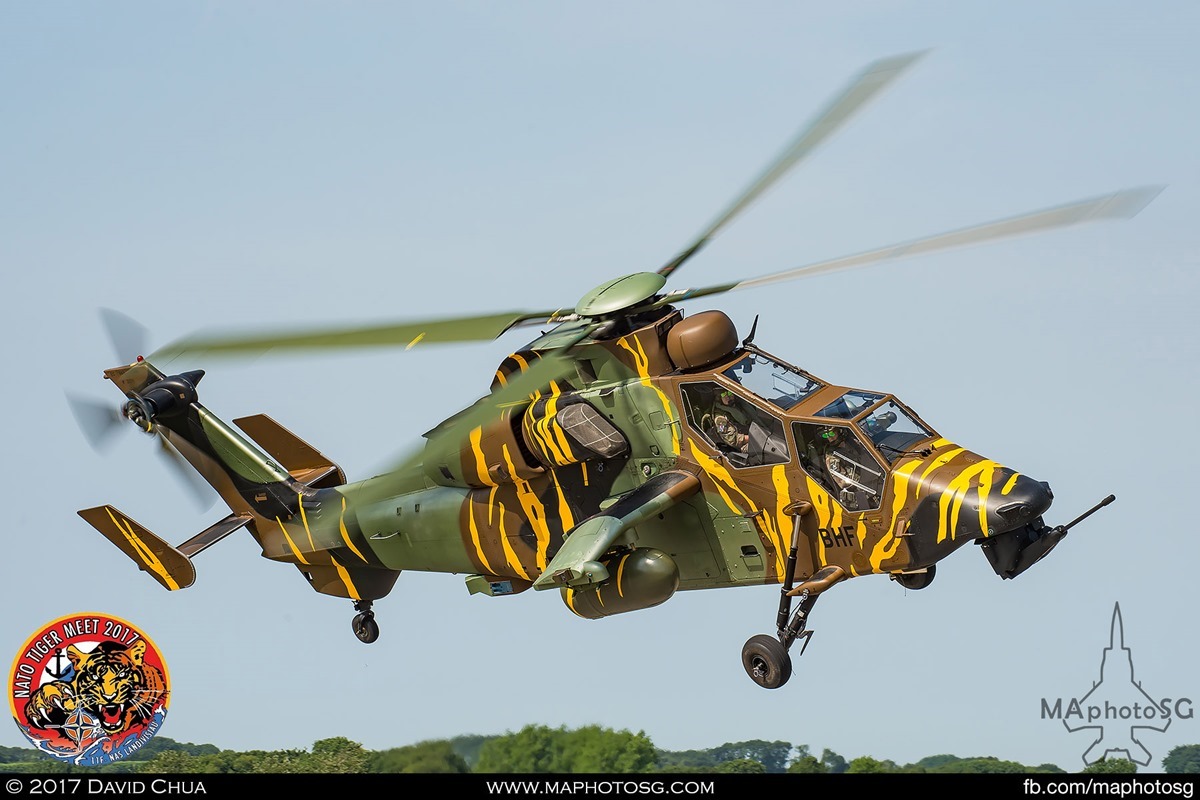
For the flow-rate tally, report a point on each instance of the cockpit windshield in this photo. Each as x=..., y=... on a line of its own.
x=892, y=429
x=781, y=385
x=849, y=405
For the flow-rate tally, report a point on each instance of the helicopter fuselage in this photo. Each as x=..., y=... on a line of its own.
x=499, y=506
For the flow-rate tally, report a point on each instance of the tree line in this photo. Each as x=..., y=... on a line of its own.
x=539, y=749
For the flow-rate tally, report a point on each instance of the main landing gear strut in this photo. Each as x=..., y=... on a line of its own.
x=765, y=657
x=364, y=624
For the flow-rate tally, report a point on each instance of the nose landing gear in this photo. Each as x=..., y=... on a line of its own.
x=766, y=658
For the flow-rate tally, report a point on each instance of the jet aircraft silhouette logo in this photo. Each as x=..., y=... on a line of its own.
x=1117, y=710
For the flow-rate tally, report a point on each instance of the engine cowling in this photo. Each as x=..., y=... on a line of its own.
x=640, y=578
x=563, y=429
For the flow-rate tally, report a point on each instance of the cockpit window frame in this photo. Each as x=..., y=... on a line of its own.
x=815, y=384
x=761, y=407
x=859, y=423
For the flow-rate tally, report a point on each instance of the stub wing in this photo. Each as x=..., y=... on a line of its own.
x=171, y=566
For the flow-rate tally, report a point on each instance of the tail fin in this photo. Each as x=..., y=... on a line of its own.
x=170, y=566
x=298, y=457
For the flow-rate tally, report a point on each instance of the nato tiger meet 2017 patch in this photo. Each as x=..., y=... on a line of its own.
x=89, y=689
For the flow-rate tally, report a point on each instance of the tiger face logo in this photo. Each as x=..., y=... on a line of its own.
x=89, y=689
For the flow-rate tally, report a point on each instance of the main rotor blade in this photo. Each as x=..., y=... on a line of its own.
x=408, y=334
x=861, y=89
x=1123, y=204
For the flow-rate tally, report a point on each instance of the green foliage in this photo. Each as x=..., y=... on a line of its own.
x=174, y=762
x=807, y=765
x=774, y=756
x=15, y=755
x=538, y=749
x=337, y=755
x=741, y=766
x=980, y=765
x=1184, y=758
x=833, y=762
x=161, y=744
x=1111, y=765
x=468, y=747
x=426, y=757
x=1051, y=768
x=867, y=765
x=545, y=750
x=686, y=760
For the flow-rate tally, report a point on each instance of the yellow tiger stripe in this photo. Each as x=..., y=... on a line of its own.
x=304, y=521
x=642, y=364
x=569, y=596
x=783, y=493
x=147, y=556
x=1011, y=483
x=544, y=437
x=564, y=508
x=476, y=437
x=509, y=553
x=620, y=574
x=720, y=475
x=346, y=533
x=709, y=466
x=344, y=574
x=295, y=551
x=475, y=537
x=822, y=504
x=556, y=430
x=941, y=461
x=889, y=543
x=535, y=512
x=985, y=488
x=950, y=503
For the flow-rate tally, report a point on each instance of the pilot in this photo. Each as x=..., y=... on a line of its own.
x=727, y=422
x=823, y=452
x=824, y=459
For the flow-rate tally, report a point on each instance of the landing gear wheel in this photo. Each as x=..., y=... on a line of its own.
x=916, y=580
x=766, y=661
x=365, y=627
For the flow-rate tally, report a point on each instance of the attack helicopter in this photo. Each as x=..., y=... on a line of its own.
x=628, y=451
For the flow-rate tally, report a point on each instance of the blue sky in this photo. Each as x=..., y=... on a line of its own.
x=267, y=164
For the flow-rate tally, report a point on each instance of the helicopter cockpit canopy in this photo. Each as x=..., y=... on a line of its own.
x=848, y=445
x=774, y=382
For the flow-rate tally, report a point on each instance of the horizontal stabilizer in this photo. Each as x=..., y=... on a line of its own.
x=213, y=534
x=163, y=562
x=304, y=462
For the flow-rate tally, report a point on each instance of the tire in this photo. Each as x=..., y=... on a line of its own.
x=365, y=628
x=766, y=661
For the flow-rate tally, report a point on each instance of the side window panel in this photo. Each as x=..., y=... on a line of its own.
x=837, y=460
x=747, y=435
